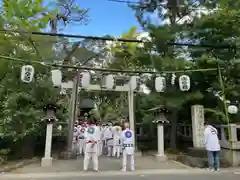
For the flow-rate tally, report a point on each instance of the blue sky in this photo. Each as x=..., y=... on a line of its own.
x=106, y=18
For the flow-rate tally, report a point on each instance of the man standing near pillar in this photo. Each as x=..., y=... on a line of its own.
x=81, y=138
x=91, y=148
x=75, y=143
x=128, y=147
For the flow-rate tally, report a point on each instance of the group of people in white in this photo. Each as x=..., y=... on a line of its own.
x=93, y=140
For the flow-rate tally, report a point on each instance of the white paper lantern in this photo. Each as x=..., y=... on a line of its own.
x=134, y=82
x=160, y=84
x=109, y=82
x=27, y=73
x=56, y=77
x=184, y=83
x=85, y=79
x=232, y=109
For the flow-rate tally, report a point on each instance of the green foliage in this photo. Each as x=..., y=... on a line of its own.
x=25, y=14
x=110, y=107
x=22, y=104
x=218, y=27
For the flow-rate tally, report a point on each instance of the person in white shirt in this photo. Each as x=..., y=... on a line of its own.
x=117, y=130
x=212, y=146
x=75, y=146
x=81, y=139
x=91, y=148
x=99, y=136
x=128, y=144
x=108, y=136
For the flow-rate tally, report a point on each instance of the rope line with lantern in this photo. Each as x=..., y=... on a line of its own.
x=109, y=81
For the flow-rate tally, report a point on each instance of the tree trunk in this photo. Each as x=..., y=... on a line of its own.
x=173, y=132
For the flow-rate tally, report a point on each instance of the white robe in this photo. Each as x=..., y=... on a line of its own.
x=91, y=147
x=81, y=139
x=108, y=136
x=128, y=144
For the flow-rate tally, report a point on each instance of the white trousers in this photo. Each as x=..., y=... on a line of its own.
x=124, y=161
x=116, y=151
x=87, y=157
x=81, y=146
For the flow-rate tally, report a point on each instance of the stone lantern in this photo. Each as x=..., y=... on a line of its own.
x=160, y=119
x=50, y=113
x=50, y=117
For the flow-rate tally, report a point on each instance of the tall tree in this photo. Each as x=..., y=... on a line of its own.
x=22, y=103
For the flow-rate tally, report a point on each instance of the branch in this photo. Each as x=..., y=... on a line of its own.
x=186, y=11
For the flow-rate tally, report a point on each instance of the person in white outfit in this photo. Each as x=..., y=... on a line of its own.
x=108, y=136
x=128, y=147
x=91, y=148
x=81, y=139
x=99, y=143
x=104, y=144
x=75, y=139
x=117, y=130
x=212, y=146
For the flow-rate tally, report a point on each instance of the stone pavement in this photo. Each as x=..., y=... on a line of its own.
x=105, y=164
x=178, y=174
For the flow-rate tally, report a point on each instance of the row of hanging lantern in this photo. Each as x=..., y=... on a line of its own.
x=108, y=80
x=184, y=83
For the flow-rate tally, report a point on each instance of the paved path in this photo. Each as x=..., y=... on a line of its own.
x=105, y=164
x=187, y=174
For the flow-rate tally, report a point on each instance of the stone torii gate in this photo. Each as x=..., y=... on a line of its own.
x=97, y=87
x=94, y=87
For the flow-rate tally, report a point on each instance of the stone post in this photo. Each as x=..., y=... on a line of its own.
x=160, y=133
x=197, y=112
x=47, y=159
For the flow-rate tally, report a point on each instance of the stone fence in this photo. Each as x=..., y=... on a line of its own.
x=228, y=143
x=185, y=133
